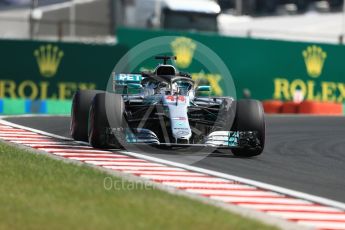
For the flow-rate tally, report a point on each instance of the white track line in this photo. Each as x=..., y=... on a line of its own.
x=309, y=216
x=68, y=155
x=108, y=159
x=19, y=135
x=61, y=146
x=184, y=178
x=71, y=150
x=210, y=192
x=123, y=168
x=260, y=200
x=15, y=131
x=189, y=185
x=174, y=173
x=28, y=139
x=302, y=208
x=37, y=142
x=323, y=224
x=142, y=164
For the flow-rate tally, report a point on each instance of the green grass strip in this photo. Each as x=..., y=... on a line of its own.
x=38, y=192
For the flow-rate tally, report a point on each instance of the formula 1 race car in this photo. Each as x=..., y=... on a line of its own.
x=166, y=108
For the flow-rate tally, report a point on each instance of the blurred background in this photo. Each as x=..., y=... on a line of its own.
x=97, y=20
x=277, y=50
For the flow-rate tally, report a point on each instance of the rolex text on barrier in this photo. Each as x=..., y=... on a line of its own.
x=52, y=70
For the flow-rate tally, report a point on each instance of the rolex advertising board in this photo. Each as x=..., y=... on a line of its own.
x=268, y=69
x=49, y=70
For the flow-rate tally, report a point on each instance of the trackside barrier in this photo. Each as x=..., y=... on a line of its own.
x=272, y=106
x=27, y=106
x=290, y=107
x=305, y=107
x=322, y=108
x=50, y=106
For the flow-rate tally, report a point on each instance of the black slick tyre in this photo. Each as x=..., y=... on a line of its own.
x=106, y=112
x=250, y=117
x=80, y=112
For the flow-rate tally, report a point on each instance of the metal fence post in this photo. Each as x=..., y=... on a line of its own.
x=60, y=30
x=239, y=7
x=34, y=4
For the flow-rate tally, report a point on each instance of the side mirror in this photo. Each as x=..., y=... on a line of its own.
x=203, y=88
x=134, y=86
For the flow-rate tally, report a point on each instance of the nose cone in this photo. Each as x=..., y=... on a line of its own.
x=177, y=107
x=180, y=128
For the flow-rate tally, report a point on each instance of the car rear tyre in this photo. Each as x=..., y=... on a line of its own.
x=250, y=117
x=80, y=112
x=106, y=111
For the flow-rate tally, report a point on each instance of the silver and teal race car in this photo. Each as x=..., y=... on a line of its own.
x=165, y=108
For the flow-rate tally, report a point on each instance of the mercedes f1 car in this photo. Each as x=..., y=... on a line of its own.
x=166, y=108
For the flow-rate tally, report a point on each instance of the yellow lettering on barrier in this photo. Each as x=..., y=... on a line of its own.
x=84, y=86
x=310, y=92
x=214, y=79
x=44, y=89
x=41, y=90
x=298, y=85
x=341, y=89
x=328, y=91
x=323, y=91
x=209, y=79
x=7, y=89
x=281, y=89
x=28, y=86
x=66, y=89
